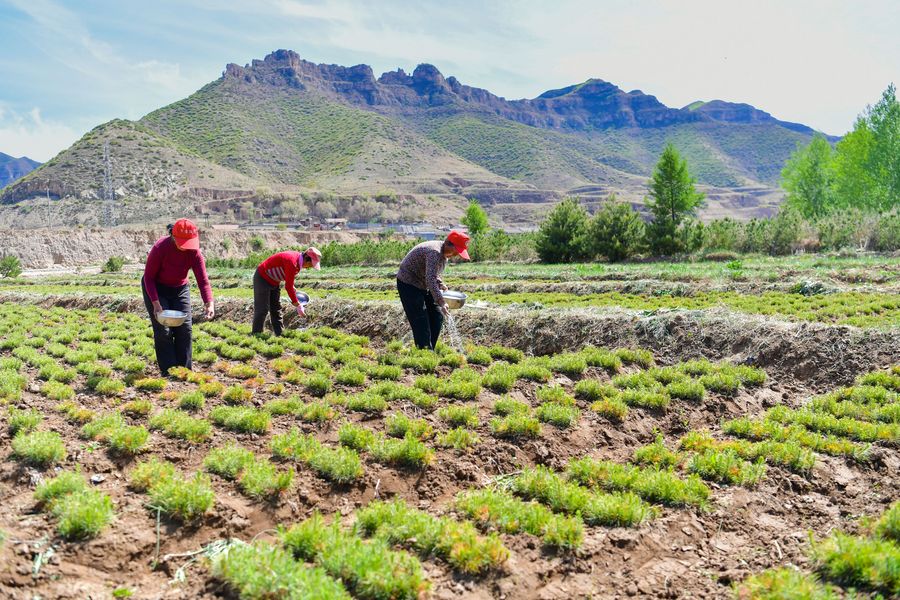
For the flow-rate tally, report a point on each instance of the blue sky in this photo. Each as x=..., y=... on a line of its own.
x=67, y=66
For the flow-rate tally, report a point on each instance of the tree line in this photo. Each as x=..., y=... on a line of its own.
x=840, y=197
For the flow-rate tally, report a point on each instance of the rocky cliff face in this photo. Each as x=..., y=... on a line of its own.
x=12, y=168
x=594, y=104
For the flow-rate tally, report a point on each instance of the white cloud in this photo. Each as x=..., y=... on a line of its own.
x=30, y=135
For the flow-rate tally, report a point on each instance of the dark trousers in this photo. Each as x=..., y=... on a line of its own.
x=266, y=299
x=423, y=315
x=173, y=344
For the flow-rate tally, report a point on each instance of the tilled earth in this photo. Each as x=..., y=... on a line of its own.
x=683, y=553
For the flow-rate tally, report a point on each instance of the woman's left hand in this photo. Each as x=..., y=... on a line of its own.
x=210, y=311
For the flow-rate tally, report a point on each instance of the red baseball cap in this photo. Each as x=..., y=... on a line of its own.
x=461, y=241
x=186, y=234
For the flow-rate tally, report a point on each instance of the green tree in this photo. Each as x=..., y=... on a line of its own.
x=561, y=235
x=616, y=231
x=475, y=219
x=10, y=266
x=867, y=162
x=673, y=201
x=808, y=178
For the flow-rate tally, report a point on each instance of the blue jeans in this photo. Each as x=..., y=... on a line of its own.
x=173, y=344
x=423, y=314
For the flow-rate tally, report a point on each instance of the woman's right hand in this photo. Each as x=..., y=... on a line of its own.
x=157, y=308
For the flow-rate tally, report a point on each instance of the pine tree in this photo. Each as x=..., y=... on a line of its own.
x=673, y=201
x=561, y=236
x=616, y=231
x=475, y=219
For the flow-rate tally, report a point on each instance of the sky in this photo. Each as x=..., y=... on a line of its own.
x=68, y=66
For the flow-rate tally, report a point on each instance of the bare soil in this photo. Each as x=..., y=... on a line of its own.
x=683, y=553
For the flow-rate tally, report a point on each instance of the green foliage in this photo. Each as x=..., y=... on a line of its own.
x=561, y=236
x=398, y=425
x=260, y=571
x=408, y=452
x=63, y=484
x=23, y=420
x=869, y=563
x=10, y=266
x=82, y=515
x=341, y=465
x=560, y=415
x=475, y=219
x=808, y=178
x=370, y=570
x=240, y=418
x=456, y=542
x=615, y=509
x=459, y=415
x=458, y=438
x=184, y=499
x=191, y=401
x=651, y=484
x=515, y=426
x=113, y=264
x=616, y=231
x=39, y=448
x=495, y=508
x=782, y=583
x=657, y=455
x=673, y=201
x=725, y=466
x=179, y=424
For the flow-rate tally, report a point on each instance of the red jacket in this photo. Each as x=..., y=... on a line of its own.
x=283, y=266
x=167, y=265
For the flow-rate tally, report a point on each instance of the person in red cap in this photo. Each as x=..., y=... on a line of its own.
x=267, y=279
x=420, y=285
x=165, y=287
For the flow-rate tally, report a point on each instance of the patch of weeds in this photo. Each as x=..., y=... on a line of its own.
x=457, y=542
x=591, y=390
x=211, y=389
x=602, y=358
x=656, y=454
x=237, y=394
x=516, y=426
x=555, y=394
x=725, y=466
x=260, y=479
x=23, y=420
x=614, y=509
x=39, y=448
x=784, y=583
x=341, y=465
x=260, y=571
x=228, y=461
x=191, y=401
x=459, y=438
x=508, y=514
x=241, y=419
x=151, y=384
x=356, y=437
x=398, y=425
x=184, y=499
x=869, y=563
x=82, y=515
x=370, y=570
x=635, y=356
x=466, y=416
x=350, y=376
x=178, y=424
x=317, y=384
x=686, y=390
x=651, y=484
x=408, y=452
x=499, y=377
x=560, y=415
x=721, y=383
x=509, y=406
x=570, y=364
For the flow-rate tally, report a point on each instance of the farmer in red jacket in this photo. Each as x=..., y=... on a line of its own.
x=283, y=266
x=165, y=287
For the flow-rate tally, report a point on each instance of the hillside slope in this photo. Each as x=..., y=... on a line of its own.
x=284, y=128
x=12, y=168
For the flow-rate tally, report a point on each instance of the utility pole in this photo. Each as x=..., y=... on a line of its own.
x=49, y=223
x=108, y=192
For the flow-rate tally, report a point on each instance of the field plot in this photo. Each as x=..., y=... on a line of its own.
x=327, y=465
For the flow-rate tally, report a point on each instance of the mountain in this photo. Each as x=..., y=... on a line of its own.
x=12, y=168
x=402, y=145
